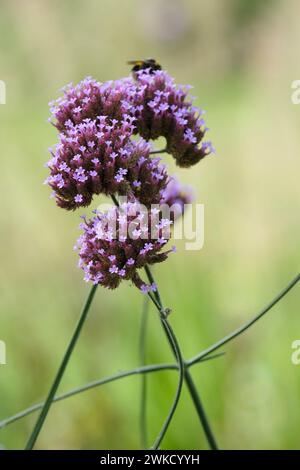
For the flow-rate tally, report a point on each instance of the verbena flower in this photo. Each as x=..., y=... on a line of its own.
x=163, y=109
x=176, y=196
x=116, y=244
x=99, y=156
x=89, y=99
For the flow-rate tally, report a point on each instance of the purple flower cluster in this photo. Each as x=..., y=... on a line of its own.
x=160, y=108
x=163, y=109
x=98, y=153
x=89, y=99
x=116, y=244
x=99, y=156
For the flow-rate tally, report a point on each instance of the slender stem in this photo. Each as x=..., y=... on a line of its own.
x=174, y=344
x=139, y=370
x=200, y=410
x=98, y=383
x=152, y=281
x=154, y=152
x=46, y=407
x=198, y=405
x=115, y=200
x=156, y=299
x=142, y=361
x=156, y=303
x=246, y=325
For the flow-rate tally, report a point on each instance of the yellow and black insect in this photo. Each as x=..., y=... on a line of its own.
x=143, y=65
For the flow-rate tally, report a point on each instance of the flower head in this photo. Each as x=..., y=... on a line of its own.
x=116, y=244
x=163, y=109
x=99, y=156
x=88, y=99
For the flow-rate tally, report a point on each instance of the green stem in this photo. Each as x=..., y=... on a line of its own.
x=41, y=419
x=115, y=200
x=89, y=386
x=195, y=395
x=152, y=281
x=97, y=383
x=174, y=344
x=142, y=361
x=200, y=410
x=155, y=152
x=246, y=325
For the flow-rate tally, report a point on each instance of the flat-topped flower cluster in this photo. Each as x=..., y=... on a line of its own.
x=116, y=243
x=104, y=147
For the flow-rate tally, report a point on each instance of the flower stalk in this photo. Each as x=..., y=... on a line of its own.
x=49, y=400
x=142, y=361
x=186, y=375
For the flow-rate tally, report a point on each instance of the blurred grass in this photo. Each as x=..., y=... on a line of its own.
x=250, y=189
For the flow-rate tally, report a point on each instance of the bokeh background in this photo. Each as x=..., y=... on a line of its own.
x=241, y=57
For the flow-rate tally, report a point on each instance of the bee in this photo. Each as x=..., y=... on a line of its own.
x=144, y=64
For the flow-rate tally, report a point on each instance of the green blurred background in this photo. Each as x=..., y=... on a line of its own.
x=241, y=57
